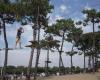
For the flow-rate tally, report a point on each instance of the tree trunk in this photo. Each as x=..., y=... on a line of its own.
x=37, y=56
x=71, y=64
x=89, y=63
x=6, y=49
x=30, y=65
x=38, y=49
x=96, y=60
x=84, y=63
x=62, y=62
x=31, y=57
x=60, y=53
x=93, y=64
x=47, y=65
x=93, y=47
x=71, y=59
x=59, y=63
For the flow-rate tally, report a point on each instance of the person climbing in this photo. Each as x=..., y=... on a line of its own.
x=18, y=36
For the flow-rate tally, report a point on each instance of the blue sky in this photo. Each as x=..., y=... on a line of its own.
x=73, y=8
x=62, y=9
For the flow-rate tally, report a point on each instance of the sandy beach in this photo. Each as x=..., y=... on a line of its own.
x=84, y=76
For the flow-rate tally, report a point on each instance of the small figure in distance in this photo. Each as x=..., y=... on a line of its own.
x=18, y=37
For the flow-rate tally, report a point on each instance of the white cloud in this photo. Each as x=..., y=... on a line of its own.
x=27, y=28
x=53, y=18
x=58, y=17
x=87, y=7
x=84, y=15
x=63, y=8
x=76, y=19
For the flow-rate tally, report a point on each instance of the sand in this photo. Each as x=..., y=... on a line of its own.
x=84, y=76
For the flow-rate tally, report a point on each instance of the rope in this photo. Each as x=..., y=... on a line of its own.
x=11, y=49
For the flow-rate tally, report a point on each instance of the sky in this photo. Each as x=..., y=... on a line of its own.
x=63, y=9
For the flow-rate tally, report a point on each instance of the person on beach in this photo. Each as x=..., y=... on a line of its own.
x=18, y=36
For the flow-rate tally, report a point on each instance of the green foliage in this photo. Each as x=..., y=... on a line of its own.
x=64, y=25
x=41, y=70
x=22, y=8
x=92, y=15
x=54, y=70
x=34, y=44
x=85, y=43
x=18, y=70
x=35, y=8
x=79, y=23
x=61, y=26
x=74, y=35
x=78, y=69
x=98, y=64
x=7, y=11
x=48, y=42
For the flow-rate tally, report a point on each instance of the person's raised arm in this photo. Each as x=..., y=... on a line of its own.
x=22, y=30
